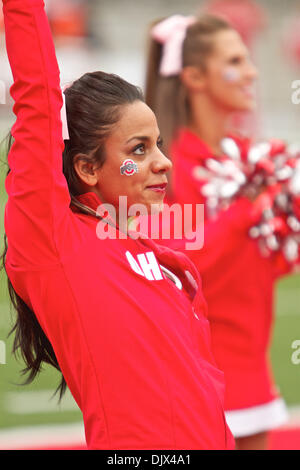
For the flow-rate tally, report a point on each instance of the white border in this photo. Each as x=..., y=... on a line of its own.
x=248, y=421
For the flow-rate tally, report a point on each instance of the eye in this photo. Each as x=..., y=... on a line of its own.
x=139, y=149
x=235, y=60
x=160, y=143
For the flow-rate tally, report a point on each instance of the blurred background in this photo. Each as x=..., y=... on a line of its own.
x=112, y=36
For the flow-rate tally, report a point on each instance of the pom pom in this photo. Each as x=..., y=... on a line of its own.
x=269, y=175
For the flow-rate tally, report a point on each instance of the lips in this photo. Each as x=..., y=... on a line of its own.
x=248, y=90
x=157, y=187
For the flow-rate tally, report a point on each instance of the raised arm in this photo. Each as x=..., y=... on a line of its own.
x=38, y=196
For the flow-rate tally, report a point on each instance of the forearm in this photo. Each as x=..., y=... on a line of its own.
x=36, y=90
x=36, y=187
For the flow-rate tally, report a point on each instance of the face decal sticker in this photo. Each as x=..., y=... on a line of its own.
x=230, y=74
x=128, y=168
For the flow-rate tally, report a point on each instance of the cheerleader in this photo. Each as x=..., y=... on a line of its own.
x=199, y=74
x=123, y=319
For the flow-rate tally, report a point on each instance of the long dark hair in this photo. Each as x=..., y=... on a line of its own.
x=93, y=105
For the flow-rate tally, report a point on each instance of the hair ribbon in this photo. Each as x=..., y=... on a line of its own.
x=171, y=33
x=63, y=114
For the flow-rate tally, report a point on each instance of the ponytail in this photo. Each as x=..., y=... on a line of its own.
x=166, y=95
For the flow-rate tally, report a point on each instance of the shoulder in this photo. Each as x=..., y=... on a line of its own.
x=188, y=145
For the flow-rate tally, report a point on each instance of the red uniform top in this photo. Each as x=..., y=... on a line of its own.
x=133, y=348
x=238, y=282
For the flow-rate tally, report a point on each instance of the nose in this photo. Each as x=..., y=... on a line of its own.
x=251, y=72
x=161, y=163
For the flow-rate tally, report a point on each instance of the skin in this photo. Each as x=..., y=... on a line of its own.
x=255, y=442
x=225, y=86
x=135, y=136
x=230, y=55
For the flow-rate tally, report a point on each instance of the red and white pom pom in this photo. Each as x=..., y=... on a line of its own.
x=271, y=168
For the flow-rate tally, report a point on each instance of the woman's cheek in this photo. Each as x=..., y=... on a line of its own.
x=231, y=75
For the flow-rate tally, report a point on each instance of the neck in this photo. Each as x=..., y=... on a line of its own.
x=208, y=122
x=91, y=203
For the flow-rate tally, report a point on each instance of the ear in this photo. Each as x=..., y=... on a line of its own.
x=87, y=171
x=193, y=78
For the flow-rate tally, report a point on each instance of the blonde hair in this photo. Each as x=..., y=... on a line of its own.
x=166, y=96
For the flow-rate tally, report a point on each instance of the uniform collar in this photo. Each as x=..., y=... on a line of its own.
x=188, y=143
x=90, y=199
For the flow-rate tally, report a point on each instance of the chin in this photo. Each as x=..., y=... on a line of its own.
x=242, y=109
x=248, y=105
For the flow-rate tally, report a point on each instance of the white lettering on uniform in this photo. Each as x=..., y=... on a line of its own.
x=146, y=265
x=150, y=266
x=134, y=265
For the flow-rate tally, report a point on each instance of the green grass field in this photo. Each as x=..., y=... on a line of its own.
x=287, y=330
x=17, y=402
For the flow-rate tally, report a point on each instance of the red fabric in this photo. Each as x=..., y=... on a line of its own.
x=135, y=352
x=238, y=282
x=285, y=439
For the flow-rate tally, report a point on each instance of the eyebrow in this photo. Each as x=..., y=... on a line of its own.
x=140, y=137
